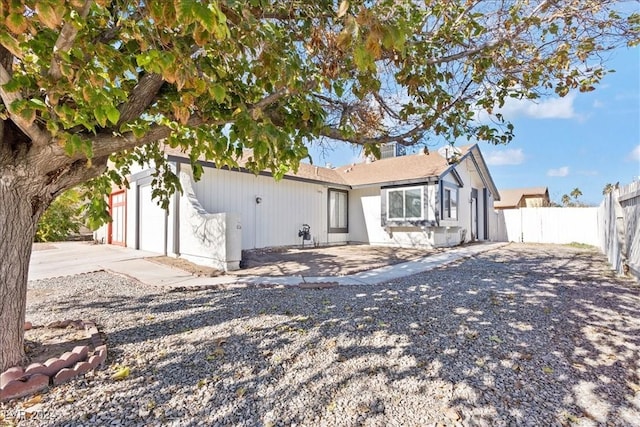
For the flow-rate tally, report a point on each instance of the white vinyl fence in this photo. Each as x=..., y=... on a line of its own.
x=619, y=227
x=547, y=225
x=614, y=227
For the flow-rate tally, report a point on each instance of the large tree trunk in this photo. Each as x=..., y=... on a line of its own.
x=28, y=184
x=18, y=221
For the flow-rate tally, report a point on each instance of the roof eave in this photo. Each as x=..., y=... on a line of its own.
x=484, y=172
x=398, y=183
x=261, y=173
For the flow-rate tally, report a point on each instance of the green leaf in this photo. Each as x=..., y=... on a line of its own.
x=52, y=127
x=37, y=104
x=113, y=114
x=76, y=142
x=362, y=58
x=12, y=85
x=100, y=115
x=205, y=16
x=219, y=92
x=10, y=43
x=16, y=22
x=338, y=89
x=47, y=14
x=29, y=114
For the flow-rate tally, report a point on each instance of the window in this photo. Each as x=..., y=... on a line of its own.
x=338, y=211
x=405, y=203
x=450, y=204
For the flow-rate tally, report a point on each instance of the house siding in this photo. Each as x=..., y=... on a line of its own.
x=269, y=213
x=462, y=229
x=368, y=224
x=132, y=217
x=366, y=219
x=284, y=207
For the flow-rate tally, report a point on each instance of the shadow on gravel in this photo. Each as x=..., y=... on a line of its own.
x=337, y=260
x=525, y=335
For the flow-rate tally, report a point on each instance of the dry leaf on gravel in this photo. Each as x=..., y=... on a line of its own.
x=121, y=373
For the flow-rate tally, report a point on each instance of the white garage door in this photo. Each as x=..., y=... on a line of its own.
x=151, y=222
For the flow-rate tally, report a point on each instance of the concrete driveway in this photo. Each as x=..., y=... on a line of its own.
x=70, y=258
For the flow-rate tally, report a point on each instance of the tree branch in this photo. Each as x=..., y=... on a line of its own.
x=279, y=94
x=106, y=144
x=37, y=135
x=506, y=38
x=385, y=106
x=334, y=133
x=65, y=41
x=142, y=95
x=76, y=173
x=270, y=99
x=258, y=13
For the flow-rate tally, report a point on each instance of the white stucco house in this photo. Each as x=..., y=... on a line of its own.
x=419, y=200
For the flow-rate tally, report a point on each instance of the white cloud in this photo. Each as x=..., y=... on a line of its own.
x=513, y=156
x=553, y=108
x=563, y=171
x=634, y=155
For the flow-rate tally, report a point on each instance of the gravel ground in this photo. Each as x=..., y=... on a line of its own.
x=524, y=335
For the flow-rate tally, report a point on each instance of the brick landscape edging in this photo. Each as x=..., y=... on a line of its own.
x=18, y=382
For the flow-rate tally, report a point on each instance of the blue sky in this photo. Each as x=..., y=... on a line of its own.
x=583, y=140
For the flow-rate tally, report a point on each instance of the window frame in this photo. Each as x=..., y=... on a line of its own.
x=344, y=229
x=404, y=205
x=446, y=206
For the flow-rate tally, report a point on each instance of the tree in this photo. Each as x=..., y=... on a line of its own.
x=576, y=193
x=573, y=199
x=608, y=188
x=61, y=218
x=83, y=82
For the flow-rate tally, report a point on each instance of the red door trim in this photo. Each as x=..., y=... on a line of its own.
x=112, y=205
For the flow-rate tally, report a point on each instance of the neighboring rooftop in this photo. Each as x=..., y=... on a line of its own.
x=523, y=197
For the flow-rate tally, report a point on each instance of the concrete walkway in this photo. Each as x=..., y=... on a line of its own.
x=70, y=258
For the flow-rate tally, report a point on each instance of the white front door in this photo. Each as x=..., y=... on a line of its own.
x=151, y=222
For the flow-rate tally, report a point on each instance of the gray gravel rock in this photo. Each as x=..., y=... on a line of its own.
x=524, y=335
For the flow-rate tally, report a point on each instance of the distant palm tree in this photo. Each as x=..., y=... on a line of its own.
x=607, y=189
x=575, y=193
x=566, y=200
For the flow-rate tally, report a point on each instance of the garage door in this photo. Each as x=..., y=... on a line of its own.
x=150, y=222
